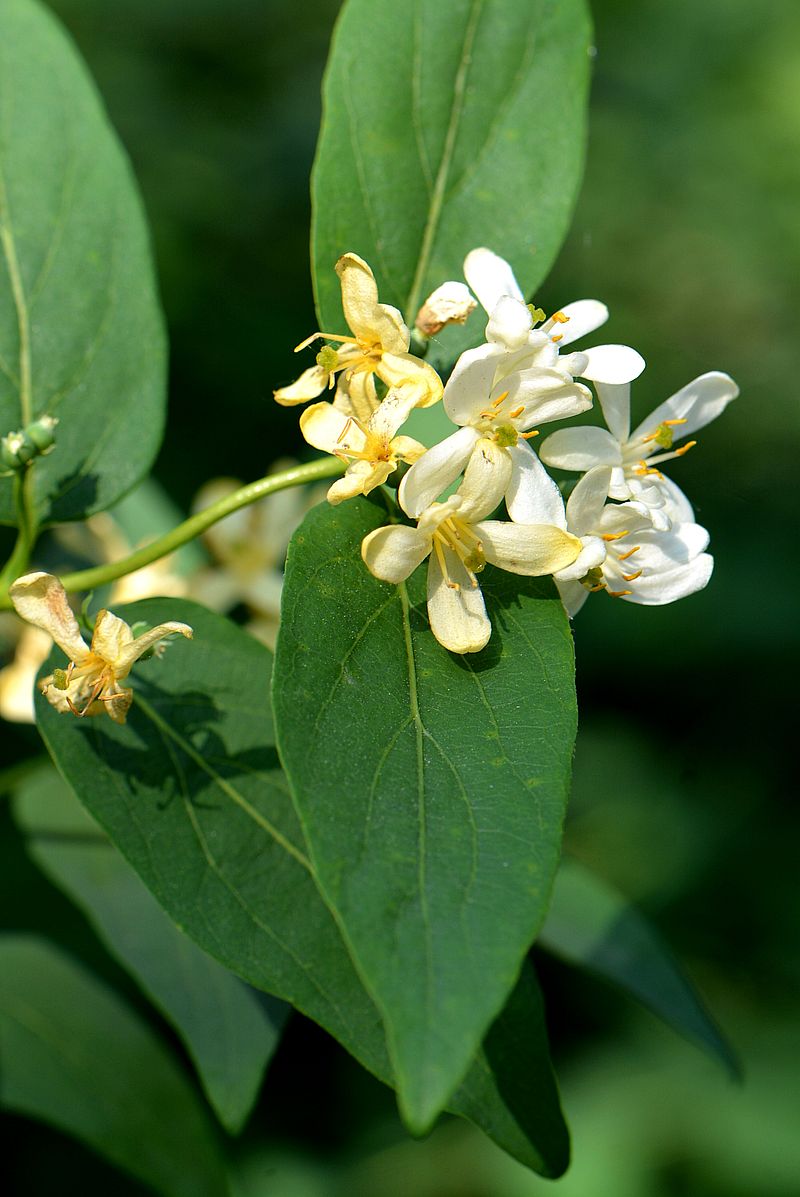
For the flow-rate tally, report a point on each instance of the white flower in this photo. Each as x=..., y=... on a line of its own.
x=459, y=541
x=91, y=683
x=622, y=552
x=634, y=457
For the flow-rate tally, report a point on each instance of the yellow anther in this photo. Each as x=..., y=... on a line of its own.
x=559, y=318
x=685, y=448
x=630, y=552
x=490, y=415
x=614, y=535
x=619, y=593
x=516, y=412
x=632, y=577
x=496, y=402
x=526, y=436
x=644, y=469
x=557, y=338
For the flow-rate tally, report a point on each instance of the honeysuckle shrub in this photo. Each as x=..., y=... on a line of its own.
x=365, y=826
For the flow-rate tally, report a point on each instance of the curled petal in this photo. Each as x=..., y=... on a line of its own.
x=312, y=382
x=456, y=609
x=613, y=364
x=140, y=645
x=436, y=470
x=359, y=479
x=415, y=379
x=393, y=553
x=490, y=277
x=509, y=323
x=391, y=414
x=698, y=403
x=405, y=448
x=580, y=449
x=583, y=317
x=41, y=600
x=586, y=503
x=372, y=322
x=529, y=549
x=658, y=589
x=615, y=401
x=592, y=554
x=326, y=427
x=112, y=637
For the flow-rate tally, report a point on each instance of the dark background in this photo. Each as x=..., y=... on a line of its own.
x=685, y=791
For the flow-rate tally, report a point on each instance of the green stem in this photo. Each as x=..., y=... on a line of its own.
x=26, y=534
x=99, y=575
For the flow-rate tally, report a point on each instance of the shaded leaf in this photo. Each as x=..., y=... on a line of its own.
x=229, y=1030
x=81, y=332
x=433, y=799
x=191, y=792
x=76, y=1056
x=593, y=926
x=445, y=127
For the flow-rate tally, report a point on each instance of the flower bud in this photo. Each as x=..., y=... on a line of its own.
x=41, y=433
x=18, y=448
x=449, y=304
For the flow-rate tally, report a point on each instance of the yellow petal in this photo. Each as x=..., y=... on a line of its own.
x=326, y=427
x=140, y=645
x=41, y=600
x=456, y=609
x=393, y=553
x=360, y=478
x=111, y=638
x=372, y=322
x=312, y=382
x=412, y=376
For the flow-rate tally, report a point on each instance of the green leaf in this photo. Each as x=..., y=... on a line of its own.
x=593, y=926
x=229, y=1030
x=81, y=332
x=433, y=795
x=76, y=1056
x=445, y=127
x=190, y=790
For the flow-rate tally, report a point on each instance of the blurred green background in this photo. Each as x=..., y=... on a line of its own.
x=685, y=791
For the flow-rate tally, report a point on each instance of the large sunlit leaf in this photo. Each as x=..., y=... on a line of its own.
x=431, y=787
x=74, y=1055
x=81, y=333
x=590, y=924
x=229, y=1030
x=447, y=126
x=191, y=791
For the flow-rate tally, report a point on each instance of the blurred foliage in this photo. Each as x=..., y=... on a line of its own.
x=687, y=228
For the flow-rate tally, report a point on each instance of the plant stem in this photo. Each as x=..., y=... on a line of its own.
x=99, y=575
x=26, y=534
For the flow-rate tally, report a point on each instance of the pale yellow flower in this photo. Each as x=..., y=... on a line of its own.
x=31, y=650
x=377, y=348
x=372, y=449
x=91, y=683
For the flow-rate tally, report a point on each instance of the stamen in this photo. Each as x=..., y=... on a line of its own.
x=630, y=552
x=643, y=469
x=496, y=402
x=490, y=415
x=526, y=436
x=442, y=563
x=632, y=577
x=344, y=431
x=559, y=318
x=685, y=448
x=619, y=593
x=558, y=337
x=614, y=535
x=512, y=415
x=324, y=337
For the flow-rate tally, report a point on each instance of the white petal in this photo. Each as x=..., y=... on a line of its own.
x=529, y=549
x=312, y=382
x=41, y=600
x=458, y=616
x=326, y=427
x=532, y=496
x=436, y=470
x=580, y=449
x=509, y=323
x=699, y=402
x=677, y=507
x=490, y=277
x=662, y=552
x=585, y=504
x=593, y=553
x=615, y=401
x=486, y=480
x=393, y=553
x=584, y=316
x=613, y=363
x=545, y=394
x=470, y=385
x=675, y=584
x=573, y=596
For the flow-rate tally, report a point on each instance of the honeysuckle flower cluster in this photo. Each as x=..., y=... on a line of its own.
x=90, y=685
x=626, y=528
